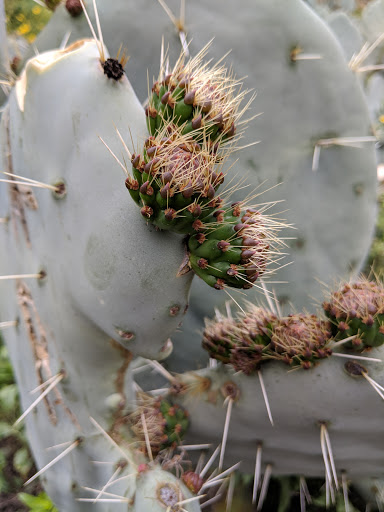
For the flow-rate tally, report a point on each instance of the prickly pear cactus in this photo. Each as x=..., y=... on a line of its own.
x=123, y=282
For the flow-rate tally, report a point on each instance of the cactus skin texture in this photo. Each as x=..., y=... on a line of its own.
x=300, y=401
x=100, y=264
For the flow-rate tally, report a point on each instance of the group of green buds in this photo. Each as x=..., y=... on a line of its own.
x=192, y=117
x=355, y=312
x=158, y=422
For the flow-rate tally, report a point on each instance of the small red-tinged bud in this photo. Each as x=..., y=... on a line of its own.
x=131, y=184
x=202, y=263
x=142, y=468
x=165, y=97
x=156, y=88
x=218, y=212
x=150, y=111
x=171, y=411
x=152, y=165
x=189, y=98
x=236, y=209
x=352, y=313
x=210, y=193
x=251, y=269
x=231, y=131
x=343, y=326
x=252, y=278
x=146, y=211
x=200, y=237
x=149, y=141
x=250, y=242
x=240, y=226
x=223, y=245
x=170, y=214
x=232, y=271
x=146, y=189
x=247, y=254
x=152, y=150
x=183, y=82
x=188, y=190
x=199, y=185
x=193, y=481
x=197, y=225
x=74, y=7
x=306, y=365
x=322, y=354
x=164, y=192
x=196, y=122
x=167, y=177
x=216, y=202
x=195, y=209
x=326, y=306
x=135, y=161
x=307, y=353
x=368, y=320
x=219, y=120
x=219, y=285
x=247, y=285
x=167, y=79
x=206, y=106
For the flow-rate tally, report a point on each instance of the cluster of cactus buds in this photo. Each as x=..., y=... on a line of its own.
x=161, y=422
x=235, y=248
x=174, y=180
x=357, y=310
x=199, y=99
x=299, y=340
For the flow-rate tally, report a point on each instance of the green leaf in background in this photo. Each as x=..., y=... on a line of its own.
x=40, y=503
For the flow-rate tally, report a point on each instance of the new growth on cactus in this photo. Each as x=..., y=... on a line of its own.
x=203, y=100
x=357, y=310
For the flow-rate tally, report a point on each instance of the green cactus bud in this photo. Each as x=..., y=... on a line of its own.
x=175, y=181
x=357, y=309
x=235, y=248
x=203, y=101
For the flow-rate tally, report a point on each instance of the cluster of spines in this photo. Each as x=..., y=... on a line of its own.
x=299, y=340
x=175, y=181
x=202, y=100
x=160, y=421
x=241, y=343
x=235, y=247
x=357, y=310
